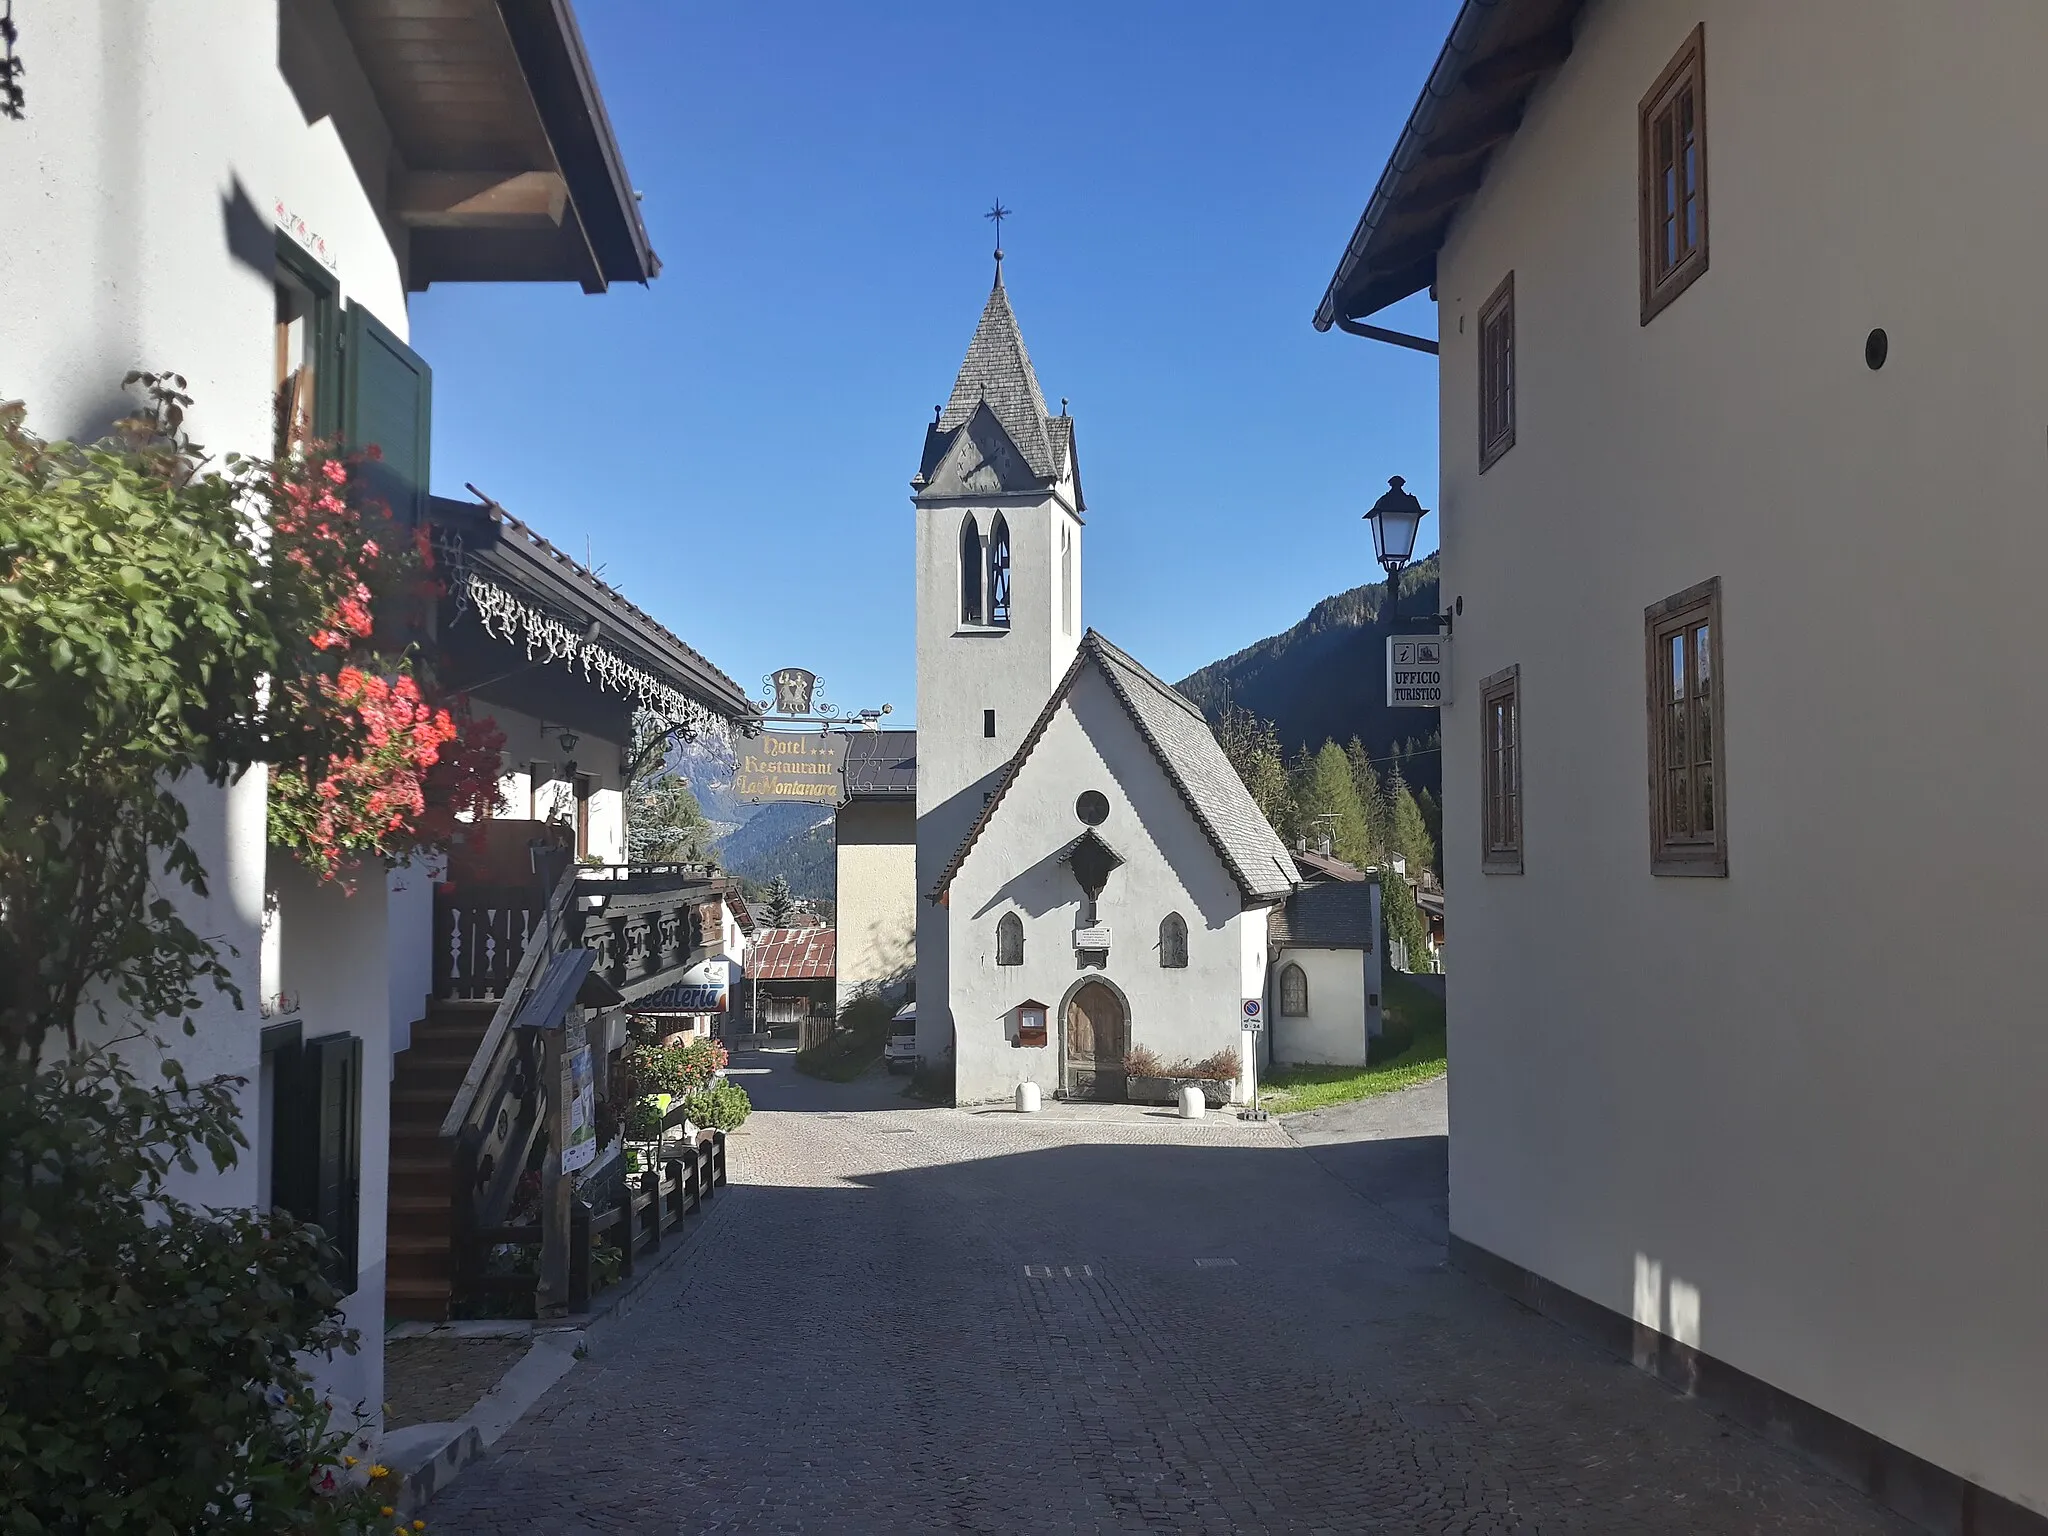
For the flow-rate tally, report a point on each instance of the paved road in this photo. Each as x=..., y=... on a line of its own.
x=906, y=1319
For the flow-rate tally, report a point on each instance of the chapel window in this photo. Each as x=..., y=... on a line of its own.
x=999, y=572
x=970, y=572
x=1009, y=939
x=1293, y=992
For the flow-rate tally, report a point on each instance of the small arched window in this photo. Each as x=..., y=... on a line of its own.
x=1009, y=939
x=1293, y=992
x=999, y=572
x=970, y=572
x=1173, y=941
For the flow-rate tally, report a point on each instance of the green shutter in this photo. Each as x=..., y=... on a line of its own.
x=388, y=402
x=335, y=1064
x=294, y=1113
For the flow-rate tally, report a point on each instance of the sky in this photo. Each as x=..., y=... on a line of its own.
x=734, y=442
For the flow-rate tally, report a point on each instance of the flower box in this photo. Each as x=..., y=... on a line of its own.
x=1216, y=1092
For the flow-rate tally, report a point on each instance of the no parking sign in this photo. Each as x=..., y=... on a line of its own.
x=1253, y=1012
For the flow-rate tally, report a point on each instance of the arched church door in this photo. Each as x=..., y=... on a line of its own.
x=1098, y=1035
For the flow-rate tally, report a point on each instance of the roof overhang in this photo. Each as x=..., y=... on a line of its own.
x=1498, y=52
x=508, y=170
x=488, y=542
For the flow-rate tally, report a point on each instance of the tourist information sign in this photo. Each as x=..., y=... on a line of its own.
x=1418, y=671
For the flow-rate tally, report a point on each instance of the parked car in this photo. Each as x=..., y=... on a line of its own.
x=901, y=1049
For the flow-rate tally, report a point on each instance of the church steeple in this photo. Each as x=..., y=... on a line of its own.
x=997, y=372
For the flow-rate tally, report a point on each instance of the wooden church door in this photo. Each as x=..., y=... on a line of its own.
x=1097, y=1035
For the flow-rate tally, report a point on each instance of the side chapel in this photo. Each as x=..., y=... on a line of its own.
x=1097, y=877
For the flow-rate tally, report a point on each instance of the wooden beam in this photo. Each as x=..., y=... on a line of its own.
x=480, y=199
x=1482, y=132
x=1441, y=192
x=1398, y=258
x=1524, y=61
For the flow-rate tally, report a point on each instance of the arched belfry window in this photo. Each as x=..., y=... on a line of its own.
x=1173, y=942
x=1293, y=992
x=1009, y=939
x=999, y=572
x=970, y=572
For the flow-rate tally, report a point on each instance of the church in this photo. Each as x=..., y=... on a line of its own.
x=1095, y=877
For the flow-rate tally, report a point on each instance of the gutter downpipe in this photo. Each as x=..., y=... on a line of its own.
x=1381, y=333
x=1473, y=17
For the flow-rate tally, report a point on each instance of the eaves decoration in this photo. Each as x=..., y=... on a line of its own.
x=508, y=617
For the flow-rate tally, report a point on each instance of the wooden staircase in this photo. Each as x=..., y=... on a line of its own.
x=419, y=1240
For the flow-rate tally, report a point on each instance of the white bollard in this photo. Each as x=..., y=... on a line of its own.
x=1193, y=1102
x=1027, y=1098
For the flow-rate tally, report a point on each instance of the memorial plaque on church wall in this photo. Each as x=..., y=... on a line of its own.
x=790, y=765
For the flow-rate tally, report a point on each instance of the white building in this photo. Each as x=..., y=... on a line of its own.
x=1323, y=992
x=1094, y=864
x=245, y=194
x=874, y=835
x=1741, y=474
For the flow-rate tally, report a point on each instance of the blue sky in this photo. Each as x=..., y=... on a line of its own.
x=736, y=440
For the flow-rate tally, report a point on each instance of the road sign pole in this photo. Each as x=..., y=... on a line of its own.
x=1251, y=1015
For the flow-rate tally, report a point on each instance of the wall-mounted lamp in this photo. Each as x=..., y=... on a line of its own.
x=1396, y=517
x=567, y=741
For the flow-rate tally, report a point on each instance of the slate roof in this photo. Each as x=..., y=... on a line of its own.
x=1329, y=914
x=997, y=373
x=881, y=765
x=1185, y=748
x=1323, y=866
x=794, y=954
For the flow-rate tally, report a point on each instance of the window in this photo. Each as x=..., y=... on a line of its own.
x=307, y=375
x=1688, y=792
x=1173, y=942
x=1672, y=176
x=1500, y=774
x=970, y=572
x=988, y=723
x=1092, y=806
x=1293, y=992
x=1066, y=579
x=999, y=572
x=1497, y=374
x=1009, y=939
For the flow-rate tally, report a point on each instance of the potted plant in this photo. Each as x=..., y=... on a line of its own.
x=1150, y=1080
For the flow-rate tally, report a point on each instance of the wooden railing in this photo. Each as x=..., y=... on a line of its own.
x=480, y=934
x=634, y=1227
x=640, y=933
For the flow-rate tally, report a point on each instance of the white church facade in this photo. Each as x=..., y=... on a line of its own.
x=1097, y=878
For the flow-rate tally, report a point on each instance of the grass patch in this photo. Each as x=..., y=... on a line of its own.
x=852, y=1048
x=1410, y=1051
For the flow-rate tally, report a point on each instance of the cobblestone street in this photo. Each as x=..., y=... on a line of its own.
x=903, y=1319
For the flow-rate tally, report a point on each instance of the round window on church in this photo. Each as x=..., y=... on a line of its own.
x=1092, y=807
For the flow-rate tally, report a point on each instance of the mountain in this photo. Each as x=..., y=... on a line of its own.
x=1325, y=678
x=791, y=840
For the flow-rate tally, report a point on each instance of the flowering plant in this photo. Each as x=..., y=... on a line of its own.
x=376, y=763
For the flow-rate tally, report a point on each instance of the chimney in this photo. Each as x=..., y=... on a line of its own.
x=1323, y=846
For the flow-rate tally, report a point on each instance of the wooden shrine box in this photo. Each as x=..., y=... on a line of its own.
x=1030, y=1023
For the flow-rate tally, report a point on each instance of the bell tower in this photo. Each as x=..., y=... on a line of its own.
x=998, y=504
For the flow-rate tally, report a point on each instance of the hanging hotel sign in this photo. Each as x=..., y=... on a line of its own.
x=777, y=766
x=1418, y=671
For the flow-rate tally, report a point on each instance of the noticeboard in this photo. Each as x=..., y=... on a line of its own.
x=778, y=766
x=1418, y=671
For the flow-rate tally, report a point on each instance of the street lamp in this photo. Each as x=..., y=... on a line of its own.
x=1396, y=518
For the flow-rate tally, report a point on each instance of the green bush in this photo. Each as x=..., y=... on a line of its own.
x=153, y=1352
x=676, y=1070
x=724, y=1106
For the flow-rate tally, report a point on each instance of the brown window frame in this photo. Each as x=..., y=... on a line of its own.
x=1500, y=775
x=1497, y=375
x=1687, y=849
x=1685, y=75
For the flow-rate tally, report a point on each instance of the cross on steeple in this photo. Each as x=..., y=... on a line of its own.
x=996, y=215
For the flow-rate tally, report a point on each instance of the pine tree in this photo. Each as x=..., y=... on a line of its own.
x=1433, y=823
x=664, y=823
x=1410, y=833
x=1326, y=805
x=1401, y=919
x=778, y=906
x=1371, y=799
x=1253, y=747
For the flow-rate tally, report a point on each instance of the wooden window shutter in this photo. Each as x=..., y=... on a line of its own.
x=294, y=1168
x=388, y=402
x=336, y=1066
